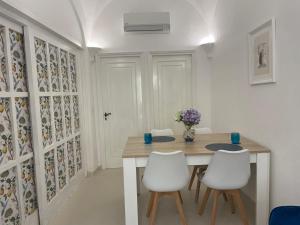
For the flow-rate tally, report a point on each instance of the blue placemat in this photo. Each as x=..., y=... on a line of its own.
x=163, y=139
x=223, y=146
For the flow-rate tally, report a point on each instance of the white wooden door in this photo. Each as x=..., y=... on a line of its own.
x=172, y=89
x=122, y=101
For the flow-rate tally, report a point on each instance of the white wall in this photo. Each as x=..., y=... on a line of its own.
x=202, y=86
x=270, y=113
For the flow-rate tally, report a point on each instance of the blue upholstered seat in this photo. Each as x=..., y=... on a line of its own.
x=285, y=215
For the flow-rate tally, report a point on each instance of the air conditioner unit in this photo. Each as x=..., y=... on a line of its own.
x=150, y=22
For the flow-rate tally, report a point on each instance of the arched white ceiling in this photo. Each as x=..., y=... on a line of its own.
x=58, y=15
x=190, y=22
x=99, y=23
x=206, y=8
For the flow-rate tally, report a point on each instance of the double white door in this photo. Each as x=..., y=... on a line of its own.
x=135, y=99
x=172, y=89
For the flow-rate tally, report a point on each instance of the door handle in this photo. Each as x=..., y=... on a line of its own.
x=106, y=115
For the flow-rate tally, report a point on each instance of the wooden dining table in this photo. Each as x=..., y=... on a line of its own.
x=136, y=153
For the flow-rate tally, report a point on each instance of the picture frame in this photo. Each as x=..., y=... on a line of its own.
x=261, y=41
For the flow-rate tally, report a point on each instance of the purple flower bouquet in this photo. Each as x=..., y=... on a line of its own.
x=189, y=117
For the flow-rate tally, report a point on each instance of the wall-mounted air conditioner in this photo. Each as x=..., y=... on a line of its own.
x=149, y=22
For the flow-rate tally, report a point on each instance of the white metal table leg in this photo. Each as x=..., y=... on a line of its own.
x=130, y=191
x=262, y=188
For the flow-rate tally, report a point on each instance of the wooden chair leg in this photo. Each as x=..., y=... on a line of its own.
x=225, y=197
x=240, y=204
x=197, y=191
x=193, y=177
x=232, y=204
x=154, y=208
x=150, y=205
x=180, y=197
x=180, y=208
x=213, y=217
x=204, y=201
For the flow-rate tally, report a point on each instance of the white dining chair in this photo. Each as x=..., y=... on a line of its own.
x=227, y=173
x=202, y=130
x=198, y=170
x=162, y=132
x=165, y=174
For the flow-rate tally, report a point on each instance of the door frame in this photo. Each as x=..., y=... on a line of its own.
x=147, y=91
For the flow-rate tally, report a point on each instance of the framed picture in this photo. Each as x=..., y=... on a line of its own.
x=262, y=54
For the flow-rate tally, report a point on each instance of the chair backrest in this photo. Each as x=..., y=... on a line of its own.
x=162, y=132
x=202, y=130
x=166, y=172
x=285, y=215
x=228, y=170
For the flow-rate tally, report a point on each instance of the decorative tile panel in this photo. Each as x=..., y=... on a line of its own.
x=50, y=175
x=6, y=148
x=54, y=68
x=46, y=121
x=76, y=113
x=62, y=175
x=73, y=72
x=78, y=153
x=28, y=187
x=18, y=61
x=71, y=163
x=64, y=70
x=68, y=115
x=58, y=120
x=41, y=64
x=9, y=210
x=23, y=125
x=3, y=62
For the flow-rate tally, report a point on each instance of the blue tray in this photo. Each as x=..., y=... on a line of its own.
x=163, y=139
x=223, y=146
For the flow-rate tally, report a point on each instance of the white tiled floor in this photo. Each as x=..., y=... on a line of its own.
x=99, y=201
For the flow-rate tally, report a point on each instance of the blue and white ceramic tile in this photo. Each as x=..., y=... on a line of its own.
x=41, y=64
x=7, y=152
x=78, y=153
x=9, y=202
x=18, y=61
x=50, y=175
x=54, y=68
x=62, y=175
x=76, y=113
x=23, y=125
x=64, y=70
x=68, y=123
x=28, y=187
x=3, y=62
x=58, y=120
x=73, y=72
x=46, y=121
x=71, y=163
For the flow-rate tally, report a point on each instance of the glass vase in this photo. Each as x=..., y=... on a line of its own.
x=189, y=135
